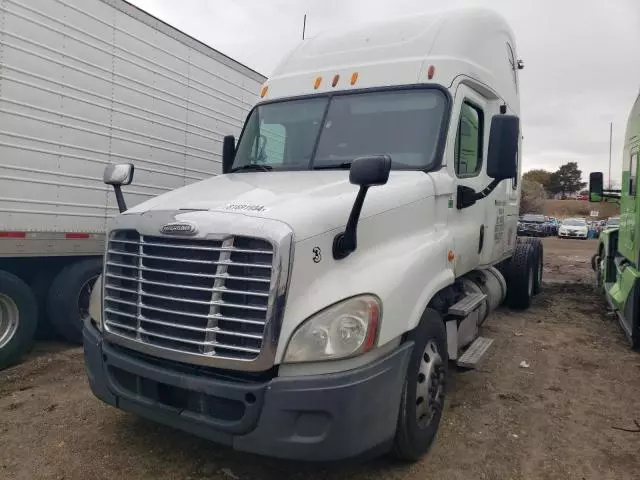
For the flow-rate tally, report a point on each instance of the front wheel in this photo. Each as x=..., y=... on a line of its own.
x=423, y=394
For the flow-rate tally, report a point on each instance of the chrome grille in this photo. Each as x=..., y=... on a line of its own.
x=207, y=297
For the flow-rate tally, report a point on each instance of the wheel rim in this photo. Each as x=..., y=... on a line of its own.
x=84, y=298
x=9, y=319
x=430, y=386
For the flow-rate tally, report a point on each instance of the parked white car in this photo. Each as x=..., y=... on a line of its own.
x=574, y=228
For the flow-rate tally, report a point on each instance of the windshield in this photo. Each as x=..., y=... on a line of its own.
x=330, y=132
x=533, y=218
x=574, y=222
x=613, y=222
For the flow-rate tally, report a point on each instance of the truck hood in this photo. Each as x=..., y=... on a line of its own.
x=310, y=202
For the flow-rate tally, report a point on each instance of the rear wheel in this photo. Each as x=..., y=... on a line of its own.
x=539, y=263
x=521, y=277
x=422, y=399
x=18, y=319
x=68, y=299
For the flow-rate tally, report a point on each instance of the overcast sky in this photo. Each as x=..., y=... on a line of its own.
x=582, y=58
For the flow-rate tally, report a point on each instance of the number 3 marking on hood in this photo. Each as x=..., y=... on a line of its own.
x=317, y=254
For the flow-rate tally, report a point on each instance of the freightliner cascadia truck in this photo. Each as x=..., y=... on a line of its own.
x=618, y=252
x=307, y=303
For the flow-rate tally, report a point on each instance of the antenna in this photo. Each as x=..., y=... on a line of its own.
x=304, y=25
x=610, y=142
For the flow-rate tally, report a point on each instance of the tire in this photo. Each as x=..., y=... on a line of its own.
x=596, y=264
x=68, y=298
x=40, y=286
x=539, y=263
x=415, y=434
x=521, y=277
x=18, y=319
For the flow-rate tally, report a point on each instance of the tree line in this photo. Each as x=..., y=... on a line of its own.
x=566, y=180
x=539, y=184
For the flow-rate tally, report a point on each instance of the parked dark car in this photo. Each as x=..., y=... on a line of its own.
x=531, y=225
x=612, y=222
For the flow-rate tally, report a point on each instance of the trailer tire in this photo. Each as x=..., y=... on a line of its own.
x=539, y=263
x=427, y=370
x=521, y=277
x=68, y=298
x=40, y=286
x=18, y=319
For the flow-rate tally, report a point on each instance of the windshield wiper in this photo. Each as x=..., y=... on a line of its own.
x=343, y=165
x=252, y=167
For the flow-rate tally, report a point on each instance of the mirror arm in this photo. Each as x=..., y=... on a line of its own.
x=611, y=195
x=346, y=242
x=487, y=191
x=122, y=205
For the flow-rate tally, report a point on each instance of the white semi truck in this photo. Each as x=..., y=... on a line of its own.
x=86, y=83
x=307, y=303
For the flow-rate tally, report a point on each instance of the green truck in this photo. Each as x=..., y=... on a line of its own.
x=617, y=258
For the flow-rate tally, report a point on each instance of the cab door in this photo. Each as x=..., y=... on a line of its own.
x=466, y=153
x=628, y=200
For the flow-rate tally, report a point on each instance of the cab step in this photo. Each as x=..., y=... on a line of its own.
x=467, y=305
x=475, y=352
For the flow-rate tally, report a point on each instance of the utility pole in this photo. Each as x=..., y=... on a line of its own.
x=304, y=25
x=610, y=142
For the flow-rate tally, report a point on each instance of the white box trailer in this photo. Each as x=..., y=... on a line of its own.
x=86, y=83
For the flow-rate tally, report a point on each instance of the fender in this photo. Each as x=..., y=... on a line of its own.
x=405, y=273
x=444, y=279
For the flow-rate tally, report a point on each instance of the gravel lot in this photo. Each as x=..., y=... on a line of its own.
x=558, y=418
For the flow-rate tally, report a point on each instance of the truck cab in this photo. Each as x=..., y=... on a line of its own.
x=618, y=252
x=306, y=303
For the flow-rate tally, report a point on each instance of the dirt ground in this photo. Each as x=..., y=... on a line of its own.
x=558, y=418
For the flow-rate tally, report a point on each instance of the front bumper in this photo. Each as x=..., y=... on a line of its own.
x=319, y=418
x=573, y=234
x=531, y=232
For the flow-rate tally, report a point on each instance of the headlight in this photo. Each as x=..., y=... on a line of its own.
x=95, y=303
x=343, y=330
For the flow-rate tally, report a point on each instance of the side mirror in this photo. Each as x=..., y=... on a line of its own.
x=370, y=171
x=118, y=175
x=595, y=186
x=228, y=153
x=502, y=161
x=365, y=172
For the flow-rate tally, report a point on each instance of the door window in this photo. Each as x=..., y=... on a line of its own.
x=633, y=173
x=468, y=146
